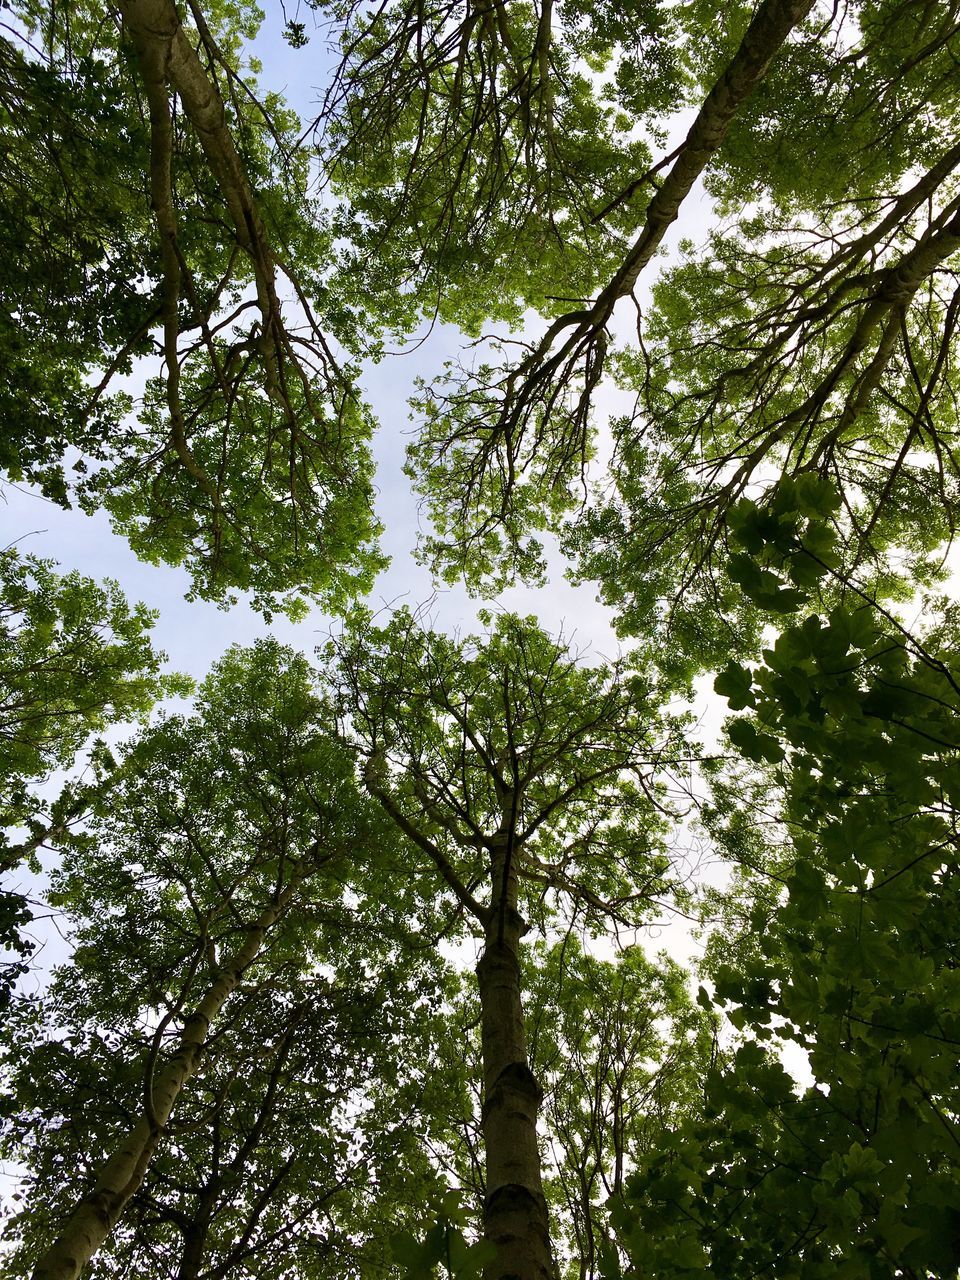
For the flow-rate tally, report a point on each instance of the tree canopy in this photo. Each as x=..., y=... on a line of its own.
x=168, y=194
x=359, y=975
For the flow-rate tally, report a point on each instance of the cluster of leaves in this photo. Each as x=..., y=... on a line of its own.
x=74, y=658
x=75, y=239
x=445, y=1245
x=505, y=446
x=621, y=1049
x=849, y=954
x=854, y=106
x=814, y=332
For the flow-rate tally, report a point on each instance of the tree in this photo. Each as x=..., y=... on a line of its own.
x=814, y=333
x=620, y=1050
x=513, y=770
x=223, y=861
x=146, y=176
x=260, y=1168
x=500, y=453
x=490, y=166
x=74, y=659
x=799, y=345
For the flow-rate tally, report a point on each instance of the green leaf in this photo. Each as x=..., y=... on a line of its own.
x=815, y=496
x=735, y=684
x=753, y=744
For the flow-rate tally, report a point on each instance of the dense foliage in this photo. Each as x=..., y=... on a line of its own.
x=847, y=948
x=145, y=179
x=357, y=977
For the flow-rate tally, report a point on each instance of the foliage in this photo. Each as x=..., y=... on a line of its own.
x=622, y=1050
x=849, y=114
x=814, y=332
x=850, y=955
x=505, y=445
x=802, y=349
x=74, y=658
x=333, y=1020
x=468, y=737
x=444, y=1246
x=159, y=193
x=476, y=148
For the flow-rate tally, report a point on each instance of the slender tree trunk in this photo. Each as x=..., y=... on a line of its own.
x=159, y=39
x=195, y=1240
x=122, y=1173
x=515, y=1211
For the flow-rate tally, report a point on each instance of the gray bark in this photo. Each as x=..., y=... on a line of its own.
x=122, y=1173
x=515, y=1215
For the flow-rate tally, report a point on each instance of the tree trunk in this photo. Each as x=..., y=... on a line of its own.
x=122, y=1173
x=159, y=39
x=194, y=1244
x=515, y=1211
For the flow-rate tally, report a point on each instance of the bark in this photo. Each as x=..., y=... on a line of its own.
x=515, y=1216
x=153, y=57
x=122, y=1173
x=159, y=40
x=773, y=22
x=194, y=1244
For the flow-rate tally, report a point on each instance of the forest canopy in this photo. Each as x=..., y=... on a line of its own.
x=360, y=973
